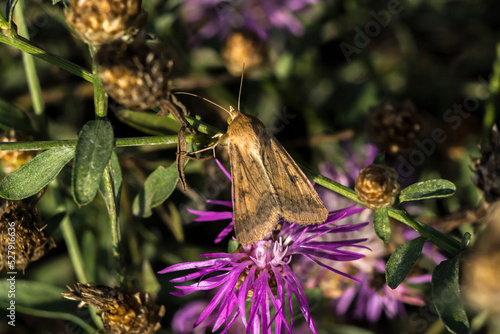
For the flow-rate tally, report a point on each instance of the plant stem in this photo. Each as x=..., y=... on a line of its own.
x=120, y=142
x=110, y=198
x=24, y=45
x=492, y=104
x=31, y=75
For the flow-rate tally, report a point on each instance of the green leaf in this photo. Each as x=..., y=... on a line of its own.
x=175, y=224
x=379, y=159
x=401, y=261
x=156, y=189
x=14, y=118
x=147, y=122
x=35, y=174
x=427, y=189
x=116, y=176
x=10, y=6
x=381, y=224
x=446, y=296
x=42, y=300
x=93, y=149
x=149, y=279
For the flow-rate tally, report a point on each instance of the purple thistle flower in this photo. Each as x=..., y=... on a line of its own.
x=261, y=274
x=218, y=18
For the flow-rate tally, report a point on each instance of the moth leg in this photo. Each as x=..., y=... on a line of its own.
x=221, y=136
x=181, y=156
x=168, y=106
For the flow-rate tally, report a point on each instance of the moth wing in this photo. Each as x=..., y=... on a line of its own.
x=255, y=205
x=298, y=200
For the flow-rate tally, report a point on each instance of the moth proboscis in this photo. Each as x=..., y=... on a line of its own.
x=267, y=183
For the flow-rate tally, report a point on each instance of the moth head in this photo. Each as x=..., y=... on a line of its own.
x=233, y=113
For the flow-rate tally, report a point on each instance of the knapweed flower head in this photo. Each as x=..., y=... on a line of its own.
x=21, y=235
x=121, y=311
x=260, y=275
x=218, y=18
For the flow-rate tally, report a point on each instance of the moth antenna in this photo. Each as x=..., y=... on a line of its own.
x=204, y=99
x=241, y=85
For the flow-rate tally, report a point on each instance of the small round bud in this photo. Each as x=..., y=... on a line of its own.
x=393, y=126
x=101, y=21
x=121, y=311
x=243, y=48
x=377, y=186
x=134, y=74
x=13, y=160
x=487, y=168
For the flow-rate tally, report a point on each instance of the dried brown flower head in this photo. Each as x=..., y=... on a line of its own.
x=13, y=160
x=20, y=235
x=377, y=186
x=121, y=312
x=243, y=48
x=393, y=126
x=487, y=168
x=134, y=74
x=102, y=21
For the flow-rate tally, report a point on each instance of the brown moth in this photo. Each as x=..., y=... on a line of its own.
x=267, y=183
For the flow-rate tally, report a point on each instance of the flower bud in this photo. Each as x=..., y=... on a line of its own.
x=134, y=74
x=393, y=126
x=243, y=48
x=102, y=21
x=377, y=186
x=121, y=311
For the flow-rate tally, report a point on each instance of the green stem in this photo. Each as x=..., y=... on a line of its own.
x=24, y=45
x=100, y=97
x=432, y=235
x=31, y=75
x=491, y=105
x=114, y=220
x=120, y=142
x=74, y=250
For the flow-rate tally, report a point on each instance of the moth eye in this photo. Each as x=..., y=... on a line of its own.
x=229, y=120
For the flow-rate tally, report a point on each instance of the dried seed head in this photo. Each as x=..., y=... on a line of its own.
x=13, y=160
x=393, y=126
x=377, y=186
x=21, y=236
x=121, y=312
x=102, y=21
x=134, y=74
x=487, y=168
x=243, y=48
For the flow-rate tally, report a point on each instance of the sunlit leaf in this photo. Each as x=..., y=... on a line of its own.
x=427, y=189
x=35, y=174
